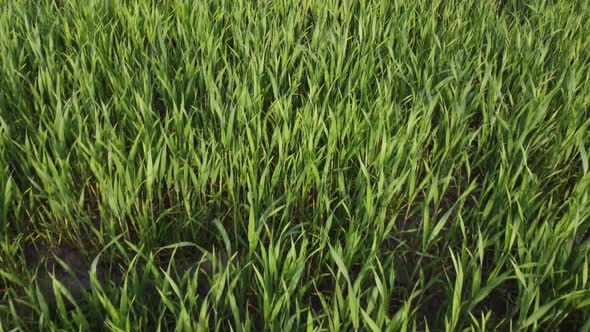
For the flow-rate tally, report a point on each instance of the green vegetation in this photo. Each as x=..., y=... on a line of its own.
x=294, y=165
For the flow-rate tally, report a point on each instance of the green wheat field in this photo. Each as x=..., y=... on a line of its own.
x=294, y=165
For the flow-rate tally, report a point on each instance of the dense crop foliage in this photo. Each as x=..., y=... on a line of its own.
x=327, y=165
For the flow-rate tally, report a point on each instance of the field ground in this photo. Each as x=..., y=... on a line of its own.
x=294, y=165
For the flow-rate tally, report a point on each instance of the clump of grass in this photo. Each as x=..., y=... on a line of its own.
x=295, y=165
